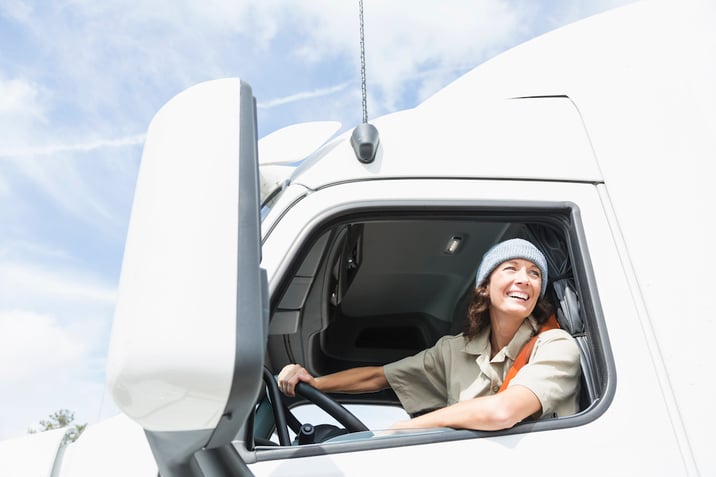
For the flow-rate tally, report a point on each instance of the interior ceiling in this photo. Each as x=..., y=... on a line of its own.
x=404, y=267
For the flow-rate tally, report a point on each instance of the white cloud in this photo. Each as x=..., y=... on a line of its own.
x=22, y=110
x=27, y=285
x=27, y=340
x=55, y=318
x=19, y=96
x=18, y=10
x=4, y=188
x=47, y=365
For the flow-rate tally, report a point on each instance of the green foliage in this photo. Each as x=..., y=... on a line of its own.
x=58, y=420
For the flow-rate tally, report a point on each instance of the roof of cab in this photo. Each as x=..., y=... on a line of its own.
x=520, y=115
x=544, y=110
x=492, y=139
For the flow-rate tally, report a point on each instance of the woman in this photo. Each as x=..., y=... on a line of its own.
x=457, y=382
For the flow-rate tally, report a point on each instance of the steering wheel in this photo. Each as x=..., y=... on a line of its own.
x=285, y=419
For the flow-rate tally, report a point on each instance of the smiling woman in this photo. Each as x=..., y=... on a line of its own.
x=463, y=370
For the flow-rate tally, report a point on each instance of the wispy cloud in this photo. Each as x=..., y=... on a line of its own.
x=133, y=140
x=303, y=95
x=23, y=283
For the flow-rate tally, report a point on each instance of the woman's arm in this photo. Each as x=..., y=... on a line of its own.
x=487, y=413
x=355, y=380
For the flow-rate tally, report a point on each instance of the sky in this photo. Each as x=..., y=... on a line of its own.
x=80, y=80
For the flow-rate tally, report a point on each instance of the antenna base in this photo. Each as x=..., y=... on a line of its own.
x=365, y=141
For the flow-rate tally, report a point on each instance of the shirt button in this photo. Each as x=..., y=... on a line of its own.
x=495, y=389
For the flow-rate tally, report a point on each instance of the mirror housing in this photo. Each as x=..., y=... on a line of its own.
x=189, y=333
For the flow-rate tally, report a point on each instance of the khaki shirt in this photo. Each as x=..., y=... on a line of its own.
x=455, y=369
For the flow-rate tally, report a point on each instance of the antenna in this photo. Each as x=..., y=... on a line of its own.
x=363, y=88
x=365, y=138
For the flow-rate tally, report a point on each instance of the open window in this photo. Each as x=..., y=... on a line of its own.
x=372, y=288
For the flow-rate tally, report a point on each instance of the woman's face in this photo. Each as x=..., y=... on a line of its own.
x=514, y=287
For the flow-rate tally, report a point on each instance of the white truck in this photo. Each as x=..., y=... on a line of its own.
x=593, y=141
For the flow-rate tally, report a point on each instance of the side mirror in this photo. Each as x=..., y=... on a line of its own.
x=189, y=333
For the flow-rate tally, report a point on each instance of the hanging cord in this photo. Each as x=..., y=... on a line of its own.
x=362, y=64
x=365, y=139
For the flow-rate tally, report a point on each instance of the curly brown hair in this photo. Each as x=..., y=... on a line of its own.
x=478, y=313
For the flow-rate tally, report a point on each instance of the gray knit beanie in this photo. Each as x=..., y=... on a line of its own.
x=507, y=250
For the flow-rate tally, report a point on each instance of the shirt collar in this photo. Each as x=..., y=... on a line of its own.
x=480, y=344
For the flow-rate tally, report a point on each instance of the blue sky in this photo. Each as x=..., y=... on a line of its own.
x=79, y=83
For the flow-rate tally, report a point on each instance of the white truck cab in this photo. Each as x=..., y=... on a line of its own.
x=592, y=141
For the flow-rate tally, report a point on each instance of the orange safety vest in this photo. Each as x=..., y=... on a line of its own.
x=526, y=351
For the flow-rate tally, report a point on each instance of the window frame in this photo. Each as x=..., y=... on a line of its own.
x=564, y=216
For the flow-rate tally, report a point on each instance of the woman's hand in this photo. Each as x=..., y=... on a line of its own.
x=291, y=375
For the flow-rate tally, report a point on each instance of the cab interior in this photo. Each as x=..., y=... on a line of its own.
x=376, y=286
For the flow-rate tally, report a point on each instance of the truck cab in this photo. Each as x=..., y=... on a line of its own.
x=238, y=263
